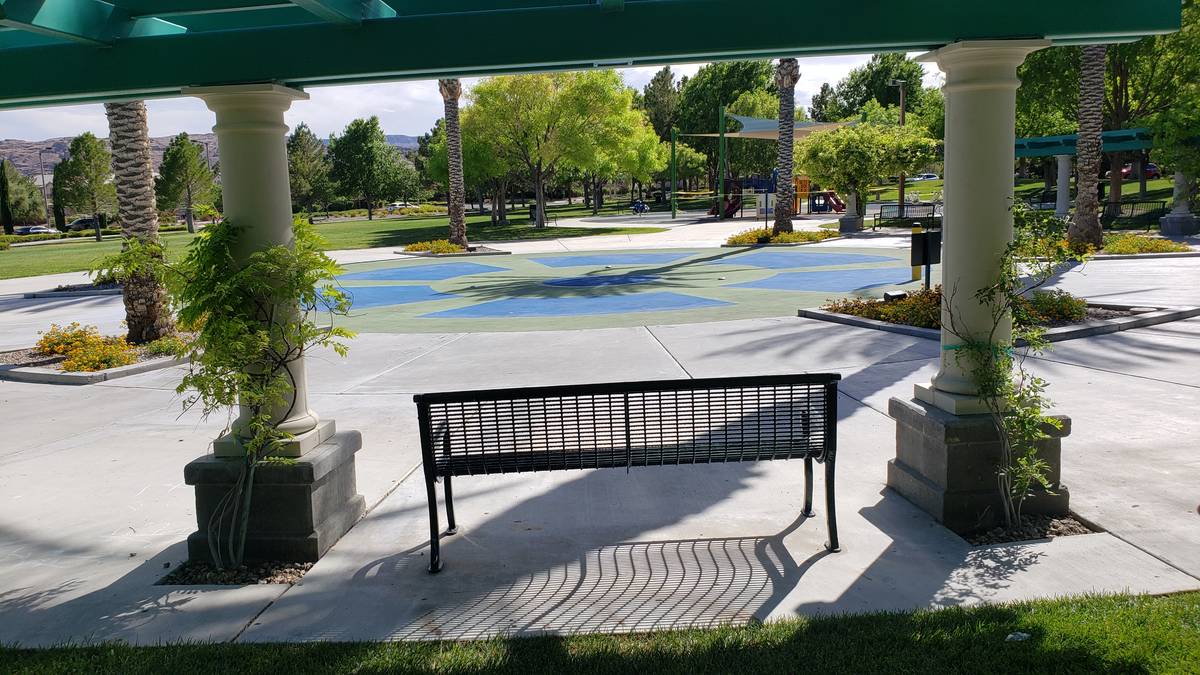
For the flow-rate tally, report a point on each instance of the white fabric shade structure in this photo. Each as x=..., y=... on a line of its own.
x=768, y=130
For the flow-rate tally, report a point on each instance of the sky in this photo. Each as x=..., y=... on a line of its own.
x=402, y=107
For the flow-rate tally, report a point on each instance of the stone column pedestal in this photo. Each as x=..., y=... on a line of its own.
x=1180, y=222
x=946, y=464
x=298, y=510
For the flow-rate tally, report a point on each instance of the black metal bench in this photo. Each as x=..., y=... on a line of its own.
x=893, y=213
x=623, y=425
x=1147, y=211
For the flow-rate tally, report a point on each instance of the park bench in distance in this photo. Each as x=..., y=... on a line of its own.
x=624, y=425
x=890, y=214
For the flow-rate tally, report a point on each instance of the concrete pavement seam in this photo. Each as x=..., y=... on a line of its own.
x=425, y=353
x=1114, y=372
x=668, y=351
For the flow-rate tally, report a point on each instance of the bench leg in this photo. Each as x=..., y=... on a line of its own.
x=451, y=526
x=830, y=515
x=808, y=488
x=435, y=549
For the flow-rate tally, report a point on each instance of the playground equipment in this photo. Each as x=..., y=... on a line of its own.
x=825, y=201
x=751, y=127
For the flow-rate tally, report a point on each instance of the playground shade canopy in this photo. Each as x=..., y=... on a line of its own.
x=69, y=51
x=754, y=127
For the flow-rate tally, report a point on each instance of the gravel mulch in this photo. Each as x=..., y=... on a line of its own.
x=198, y=573
x=1032, y=527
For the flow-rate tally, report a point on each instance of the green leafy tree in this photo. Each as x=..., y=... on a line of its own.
x=184, y=179
x=425, y=151
x=400, y=178
x=84, y=179
x=360, y=162
x=308, y=170
x=872, y=81
x=484, y=164
x=1177, y=140
x=715, y=85
x=539, y=121
x=660, y=100
x=853, y=158
x=752, y=156
x=1048, y=98
x=22, y=199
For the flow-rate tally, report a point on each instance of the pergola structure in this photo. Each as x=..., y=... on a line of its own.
x=250, y=59
x=1063, y=149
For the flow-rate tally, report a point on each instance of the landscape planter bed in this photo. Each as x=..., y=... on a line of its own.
x=473, y=251
x=50, y=375
x=1151, y=316
x=783, y=245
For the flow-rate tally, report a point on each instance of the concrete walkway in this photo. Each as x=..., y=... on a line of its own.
x=93, y=509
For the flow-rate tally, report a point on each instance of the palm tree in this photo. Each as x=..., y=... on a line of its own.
x=1085, y=227
x=786, y=75
x=146, y=312
x=451, y=90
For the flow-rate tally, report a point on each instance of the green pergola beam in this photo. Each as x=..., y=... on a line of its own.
x=307, y=53
x=347, y=11
x=1120, y=140
x=90, y=22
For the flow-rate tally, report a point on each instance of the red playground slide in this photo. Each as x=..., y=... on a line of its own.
x=734, y=205
x=838, y=205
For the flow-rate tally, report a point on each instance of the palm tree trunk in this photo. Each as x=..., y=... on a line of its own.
x=146, y=313
x=786, y=75
x=1085, y=228
x=451, y=90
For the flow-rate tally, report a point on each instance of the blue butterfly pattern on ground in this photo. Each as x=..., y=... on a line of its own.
x=782, y=260
x=612, y=259
x=578, y=306
x=832, y=281
x=436, y=272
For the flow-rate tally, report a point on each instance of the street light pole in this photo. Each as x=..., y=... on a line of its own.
x=42, y=178
x=900, y=189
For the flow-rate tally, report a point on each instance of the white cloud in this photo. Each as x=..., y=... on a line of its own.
x=402, y=107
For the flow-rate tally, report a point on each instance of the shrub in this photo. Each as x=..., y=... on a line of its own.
x=1127, y=244
x=62, y=340
x=19, y=238
x=922, y=308
x=168, y=345
x=100, y=353
x=3, y=245
x=1049, y=307
x=758, y=236
x=435, y=246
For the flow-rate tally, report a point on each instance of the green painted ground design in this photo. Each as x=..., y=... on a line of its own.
x=694, y=276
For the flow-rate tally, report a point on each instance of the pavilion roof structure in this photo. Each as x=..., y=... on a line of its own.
x=1120, y=140
x=71, y=51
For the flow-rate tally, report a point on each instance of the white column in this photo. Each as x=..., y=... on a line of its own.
x=980, y=90
x=1183, y=201
x=251, y=136
x=1062, y=207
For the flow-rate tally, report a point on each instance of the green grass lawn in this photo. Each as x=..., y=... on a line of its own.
x=78, y=256
x=1118, y=634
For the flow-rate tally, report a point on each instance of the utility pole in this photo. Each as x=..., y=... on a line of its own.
x=42, y=179
x=900, y=207
x=674, y=174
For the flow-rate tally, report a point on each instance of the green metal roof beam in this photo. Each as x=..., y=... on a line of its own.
x=539, y=38
x=1119, y=140
x=347, y=11
x=86, y=21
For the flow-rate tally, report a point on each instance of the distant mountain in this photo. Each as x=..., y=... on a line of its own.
x=402, y=141
x=24, y=154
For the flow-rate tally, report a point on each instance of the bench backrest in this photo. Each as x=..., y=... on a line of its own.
x=629, y=424
x=892, y=211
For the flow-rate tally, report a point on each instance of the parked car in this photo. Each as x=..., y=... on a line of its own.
x=79, y=224
x=33, y=229
x=1127, y=171
x=925, y=176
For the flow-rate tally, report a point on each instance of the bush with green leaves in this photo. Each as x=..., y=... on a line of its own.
x=436, y=246
x=921, y=308
x=758, y=237
x=253, y=317
x=1130, y=244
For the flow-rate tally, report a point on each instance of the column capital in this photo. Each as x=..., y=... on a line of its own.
x=248, y=107
x=982, y=63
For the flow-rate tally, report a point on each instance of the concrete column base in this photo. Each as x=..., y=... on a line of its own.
x=946, y=464
x=298, y=510
x=230, y=445
x=1179, y=225
x=850, y=224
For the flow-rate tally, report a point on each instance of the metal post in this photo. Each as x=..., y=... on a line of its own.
x=916, y=269
x=721, y=164
x=42, y=178
x=900, y=210
x=674, y=173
